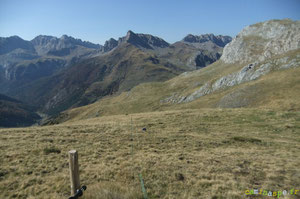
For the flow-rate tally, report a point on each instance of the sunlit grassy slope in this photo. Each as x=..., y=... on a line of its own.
x=193, y=153
x=277, y=90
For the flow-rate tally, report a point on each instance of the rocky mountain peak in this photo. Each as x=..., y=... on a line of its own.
x=130, y=34
x=131, y=37
x=263, y=40
x=65, y=37
x=110, y=44
x=219, y=40
x=146, y=41
x=43, y=40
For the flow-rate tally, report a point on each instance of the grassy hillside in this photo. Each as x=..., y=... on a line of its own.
x=278, y=89
x=200, y=153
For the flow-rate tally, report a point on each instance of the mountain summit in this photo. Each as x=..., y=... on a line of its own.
x=145, y=41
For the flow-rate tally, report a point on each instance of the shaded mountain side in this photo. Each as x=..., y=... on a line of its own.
x=182, y=53
x=14, y=113
x=25, y=72
x=92, y=79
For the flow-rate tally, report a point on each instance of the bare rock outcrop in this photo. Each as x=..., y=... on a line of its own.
x=248, y=73
x=263, y=40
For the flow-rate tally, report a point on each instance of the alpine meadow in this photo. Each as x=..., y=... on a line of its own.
x=209, y=116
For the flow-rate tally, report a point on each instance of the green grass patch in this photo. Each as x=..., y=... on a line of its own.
x=51, y=150
x=246, y=139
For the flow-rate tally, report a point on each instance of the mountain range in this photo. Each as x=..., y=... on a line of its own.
x=259, y=68
x=69, y=79
x=54, y=74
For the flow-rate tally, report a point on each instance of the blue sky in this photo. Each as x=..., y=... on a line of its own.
x=99, y=20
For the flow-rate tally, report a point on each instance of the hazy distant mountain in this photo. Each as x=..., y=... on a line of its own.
x=15, y=113
x=218, y=40
x=48, y=45
x=14, y=42
x=22, y=62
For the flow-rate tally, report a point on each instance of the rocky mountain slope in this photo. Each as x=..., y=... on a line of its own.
x=261, y=41
x=95, y=71
x=250, y=80
x=14, y=113
x=195, y=51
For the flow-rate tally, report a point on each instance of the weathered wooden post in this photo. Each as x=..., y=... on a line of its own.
x=74, y=171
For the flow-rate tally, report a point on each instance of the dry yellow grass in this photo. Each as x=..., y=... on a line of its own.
x=200, y=153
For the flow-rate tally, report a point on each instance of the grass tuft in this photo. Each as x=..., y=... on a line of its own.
x=246, y=139
x=51, y=150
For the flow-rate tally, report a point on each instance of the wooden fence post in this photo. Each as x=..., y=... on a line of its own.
x=74, y=171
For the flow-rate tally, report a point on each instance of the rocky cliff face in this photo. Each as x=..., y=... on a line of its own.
x=219, y=40
x=263, y=40
x=248, y=73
